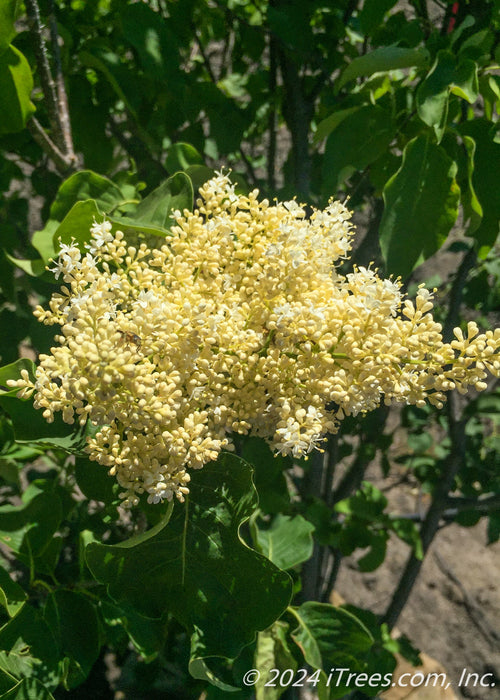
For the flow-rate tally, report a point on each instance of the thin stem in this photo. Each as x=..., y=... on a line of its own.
x=63, y=163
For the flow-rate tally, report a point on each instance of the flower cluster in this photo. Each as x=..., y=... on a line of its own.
x=240, y=322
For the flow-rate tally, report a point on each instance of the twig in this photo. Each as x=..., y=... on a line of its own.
x=475, y=613
x=63, y=163
x=47, y=82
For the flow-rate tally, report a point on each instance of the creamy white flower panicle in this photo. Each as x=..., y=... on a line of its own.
x=238, y=323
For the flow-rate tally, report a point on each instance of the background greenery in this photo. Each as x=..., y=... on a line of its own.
x=124, y=109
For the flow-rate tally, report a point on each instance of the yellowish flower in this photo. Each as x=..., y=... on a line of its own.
x=238, y=323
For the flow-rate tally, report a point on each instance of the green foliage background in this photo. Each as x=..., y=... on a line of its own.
x=395, y=106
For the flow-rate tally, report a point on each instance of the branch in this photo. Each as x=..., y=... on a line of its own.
x=47, y=82
x=271, y=123
x=434, y=514
x=482, y=505
x=64, y=163
x=312, y=485
x=63, y=109
x=298, y=113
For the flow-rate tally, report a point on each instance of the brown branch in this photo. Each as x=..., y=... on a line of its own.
x=64, y=164
x=433, y=517
x=62, y=98
x=271, y=123
x=46, y=79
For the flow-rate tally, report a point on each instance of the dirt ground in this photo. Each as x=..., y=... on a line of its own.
x=453, y=614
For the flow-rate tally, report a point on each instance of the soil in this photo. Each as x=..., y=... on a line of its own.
x=453, y=613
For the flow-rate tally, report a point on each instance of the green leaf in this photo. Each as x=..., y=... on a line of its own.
x=373, y=13
x=367, y=503
x=269, y=478
x=287, y=543
x=408, y=531
x=34, y=268
x=152, y=38
x=486, y=162
x=199, y=174
x=13, y=371
x=29, y=649
x=326, y=126
x=12, y=596
x=330, y=635
x=376, y=554
x=30, y=425
x=473, y=211
x=117, y=73
x=82, y=186
x=272, y=651
x=28, y=689
x=73, y=621
x=181, y=156
x=29, y=528
x=94, y=481
x=433, y=93
x=359, y=139
x=7, y=18
x=421, y=206
x=43, y=241
x=76, y=225
x=198, y=568
x=156, y=209
x=16, y=84
x=331, y=638
x=147, y=635
x=7, y=680
x=465, y=81
x=444, y=77
x=381, y=59
x=494, y=527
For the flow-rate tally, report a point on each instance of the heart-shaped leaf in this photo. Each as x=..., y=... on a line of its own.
x=196, y=566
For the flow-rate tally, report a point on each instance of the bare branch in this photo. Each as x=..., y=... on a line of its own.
x=64, y=164
x=62, y=98
x=46, y=79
